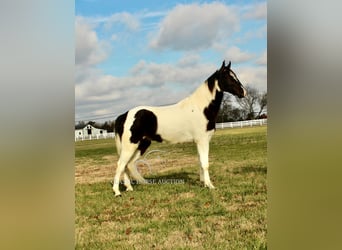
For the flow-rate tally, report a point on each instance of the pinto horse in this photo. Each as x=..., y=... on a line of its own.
x=191, y=119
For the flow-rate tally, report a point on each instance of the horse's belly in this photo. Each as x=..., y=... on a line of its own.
x=177, y=132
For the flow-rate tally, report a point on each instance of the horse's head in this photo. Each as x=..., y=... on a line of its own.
x=228, y=81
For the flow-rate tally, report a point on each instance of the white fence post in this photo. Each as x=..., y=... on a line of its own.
x=241, y=124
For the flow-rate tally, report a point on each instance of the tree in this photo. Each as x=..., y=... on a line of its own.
x=80, y=125
x=108, y=125
x=235, y=115
x=92, y=123
x=225, y=109
x=262, y=101
x=251, y=102
x=248, y=103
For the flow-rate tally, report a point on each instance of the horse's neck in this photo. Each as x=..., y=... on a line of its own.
x=202, y=96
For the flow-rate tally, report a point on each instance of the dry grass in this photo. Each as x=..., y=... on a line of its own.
x=90, y=171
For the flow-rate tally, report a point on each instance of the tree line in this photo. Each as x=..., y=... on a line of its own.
x=253, y=106
x=107, y=125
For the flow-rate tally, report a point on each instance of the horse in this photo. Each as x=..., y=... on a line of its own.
x=191, y=119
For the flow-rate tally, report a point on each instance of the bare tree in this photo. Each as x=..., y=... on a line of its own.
x=80, y=124
x=262, y=101
x=225, y=109
x=235, y=115
x=248, y=103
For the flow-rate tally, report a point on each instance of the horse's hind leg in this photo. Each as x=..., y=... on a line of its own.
x=142, y=147
x=125, y=157
x=133, y=168
x=127, y=181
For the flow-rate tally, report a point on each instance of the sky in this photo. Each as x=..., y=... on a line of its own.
x=130, y=53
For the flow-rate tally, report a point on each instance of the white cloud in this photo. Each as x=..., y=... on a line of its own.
x=152, y=84
x=186, y=72
x=257, y=11
x=189, y=60
x=129, y=20
x=257, y=33
x=194, y=26
x=186, y=28
x=254, y=76
x=113, y=37
x=89, y=49
x=235, y=55
x=262, y=60
x=148, y=84
x=152, y=14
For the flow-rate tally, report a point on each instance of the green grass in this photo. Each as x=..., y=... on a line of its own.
x=95, y=149
x=182, y=215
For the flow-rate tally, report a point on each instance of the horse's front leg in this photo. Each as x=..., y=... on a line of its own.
x=203, y=152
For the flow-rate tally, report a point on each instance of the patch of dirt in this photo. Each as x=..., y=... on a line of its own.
x=89, y=171
x=164, y=164
x=111, y=158
x=92, y=172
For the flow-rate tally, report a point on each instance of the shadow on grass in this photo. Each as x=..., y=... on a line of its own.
x=251, y=169
x=185, y=177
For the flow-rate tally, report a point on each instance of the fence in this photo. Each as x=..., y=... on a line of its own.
x=94, y=137
x=239, y=124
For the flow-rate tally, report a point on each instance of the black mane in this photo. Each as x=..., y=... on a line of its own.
x=211, y=81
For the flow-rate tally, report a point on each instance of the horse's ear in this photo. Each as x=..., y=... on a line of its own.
x=229, y=65
x=223, y=64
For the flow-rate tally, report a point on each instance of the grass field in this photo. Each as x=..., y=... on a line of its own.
x=176, y=211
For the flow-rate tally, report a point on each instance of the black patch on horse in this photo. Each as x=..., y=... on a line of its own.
x=211, y=81
x=212, y=110
x=119, y=124
x=144, y=129
x=143, y=145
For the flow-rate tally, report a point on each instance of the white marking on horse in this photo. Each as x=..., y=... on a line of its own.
x=233, y=75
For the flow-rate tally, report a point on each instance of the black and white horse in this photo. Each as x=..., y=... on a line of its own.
x=191, y=119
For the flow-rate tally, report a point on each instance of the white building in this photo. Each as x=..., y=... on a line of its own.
x=90, y=132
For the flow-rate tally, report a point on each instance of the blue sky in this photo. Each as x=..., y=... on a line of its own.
x=131, y=53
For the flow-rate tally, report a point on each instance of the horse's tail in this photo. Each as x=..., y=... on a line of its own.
x=119, y=129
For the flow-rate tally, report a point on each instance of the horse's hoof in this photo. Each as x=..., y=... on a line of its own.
x=210, y=186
